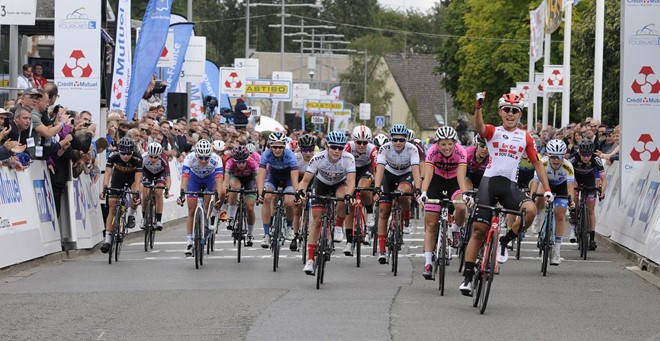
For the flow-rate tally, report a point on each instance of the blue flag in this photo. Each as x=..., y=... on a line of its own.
x=211, y=85
x=155, y=25
x=182, y=34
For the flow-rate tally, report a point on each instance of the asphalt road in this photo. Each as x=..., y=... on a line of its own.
x=159, y=295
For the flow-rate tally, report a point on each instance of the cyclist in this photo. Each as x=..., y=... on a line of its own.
x=444, y=177
x=397, y=169
x=202, y=170
x=380, y=140
x=562, y=182
x=422, y=156
x=277, y=169
x=125, y=168
x=253, y=152
x=307, y=144
x=333, y=172
x=364, y=153
x=588, y=172
x=241, y=170
x=156, y=170
x=506, y=144
x=477, y=161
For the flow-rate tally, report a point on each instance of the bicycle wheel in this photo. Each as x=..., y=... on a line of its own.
x=152, y=237
x=518, y=242
x=396, y=234
x=442, y=258
x=477, y=279
x=357, y=234
x=490, y=272
x=275, y=240
x=238, y=231
x=147, y=222
x=465, y=240
x=116, y=233
x=545, y=246
x=198, y=225
x=586, y=227
x=320, y=256
x=305, y=233
x=119, y=241
x=374, y=232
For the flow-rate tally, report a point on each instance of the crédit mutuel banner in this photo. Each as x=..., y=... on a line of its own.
x=78, y=55
x=640, y=86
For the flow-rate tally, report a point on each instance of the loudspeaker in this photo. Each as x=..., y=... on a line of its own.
x=176, y=105
x=292, y=121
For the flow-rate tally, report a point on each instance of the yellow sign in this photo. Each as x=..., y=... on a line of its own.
x=323, y=105
x=266, y=89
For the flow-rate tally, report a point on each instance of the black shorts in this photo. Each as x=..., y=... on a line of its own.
x=391, y=182
x=441, y=188
x=524, y=178
x=319, y=188
x=366, y=172
x=158, y=178
x=120, y=180
x=498, y=189
x=474, y=177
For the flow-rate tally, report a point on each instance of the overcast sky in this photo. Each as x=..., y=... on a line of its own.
x=421, y=5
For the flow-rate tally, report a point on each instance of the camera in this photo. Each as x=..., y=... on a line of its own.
x=87, y=124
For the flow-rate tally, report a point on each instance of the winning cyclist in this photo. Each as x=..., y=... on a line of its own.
x=506, y=144
x=562, y=182
x=241, y=170
x=333, y=172
x=307, y=144
x=277, y=169
x=444, y=178
x=156, y=170
x=125, y=167
x=397, y=169
x=588, y=171
x=202, y=170
x=365, y=154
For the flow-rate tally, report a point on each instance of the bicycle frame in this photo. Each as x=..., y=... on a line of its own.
x=278, y=230
x=359, y=222
x=324, y=244
x=201, y=231
x=240, y=220
x=442, y=251
x=395, y=229
x=583, y=225
x=119, y=230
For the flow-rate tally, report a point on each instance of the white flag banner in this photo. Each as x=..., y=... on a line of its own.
x=121, y=73
x=334, y=92
x=273, y=108
x=538, y=84
x=537, y=20
x=524, y=90
x=553, y=78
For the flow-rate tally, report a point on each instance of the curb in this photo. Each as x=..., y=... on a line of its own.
x=68, y=254
x=644, y=263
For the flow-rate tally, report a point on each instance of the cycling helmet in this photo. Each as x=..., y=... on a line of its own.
x=477, y=140
x=380, y=140
x=556, y=147
x=277, y=136
x=126, y=145
x=510, y=100
x=417, y=141
x=203, y=148
x=307, y=141
x=154, y=149
x=251, y=148
x=362, y=133
x=445, y=133
x=241, y=153
x=336, y=137
x=219, y=145
x=586, y=146
x=411, y=135
x=399, y=129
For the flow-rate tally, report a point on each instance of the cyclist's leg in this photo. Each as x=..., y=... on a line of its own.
x=250, y=200
x=485, y=196
x=145, y=199
x=431, y=223
x=235, y=184
x=384, y=208
x=366, y=180
x=159, y=203
x=405, y=185
x=289, y=205
x=591, y=206
x=339, y=190
x=266, y=210
x=112, y=205
x=561, y=206
x=318, y=188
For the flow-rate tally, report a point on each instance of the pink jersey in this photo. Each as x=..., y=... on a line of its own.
x=256, y=156
x=472, y=164
x=446, y=167
x=506, y=149
x=251, y=168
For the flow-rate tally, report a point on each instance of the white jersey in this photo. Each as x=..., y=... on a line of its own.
x=302, y=164
x=564, y=174
x=506, y=149
x=398, y=163
x=213, y=167
x=364, y=159
x=328, y=172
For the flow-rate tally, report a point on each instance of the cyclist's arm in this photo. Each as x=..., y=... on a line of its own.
x=294, y=179
x=219, y=189
x=415, y=174
x=427, y=174
x=350, y=183
x=137, y=184
x=307, y=178
x=603, y=179
x=479, y=125
x=106, y=176
x=261, y=179
x=540, y=170
x=378, y=178
x=571, y=190
x=462, y=172
x=534, y=186
x=225, y=180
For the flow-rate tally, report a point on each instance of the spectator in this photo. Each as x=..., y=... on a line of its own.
x=25, y=80
x=241, y=113
x=39, y=80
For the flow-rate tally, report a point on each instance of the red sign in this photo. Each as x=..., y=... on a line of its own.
x=645, y=149
x=77, y=66
x=646, y=82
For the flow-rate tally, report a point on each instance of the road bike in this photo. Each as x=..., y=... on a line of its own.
x=546, y=238
x=359, y=223
x=394, y=238
x=202, y=233
x=466, y=232
x=150, y=215
x=583, y=225
x=278, y=229
x=486, y=266
x=442, y=252
x=239, y=227
x=325, y=245
x=303, y=226
x=119, y=230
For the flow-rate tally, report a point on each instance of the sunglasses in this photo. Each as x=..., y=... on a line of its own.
x=154, y=156
x=240, y=161
x=336, y=147
x=482, y=145
x=511, y=109
x=307, y=150
x=203, y=158
x=142, y=129
x=276, y=147
x=125, y=153
x=398, y=140
x=362, y=143
x=555, y=157
x=585, y=154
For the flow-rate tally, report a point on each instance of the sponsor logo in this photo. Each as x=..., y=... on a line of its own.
x=643, y=2
x=556, y=78
x=645, y=149
x=45, y=200
x=647, y=35
x=77, y=66
x=10, y=191
x=121, y=70
x=77, y=20
x=647, y=86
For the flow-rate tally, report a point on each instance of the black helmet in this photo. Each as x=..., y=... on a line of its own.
x=307, y=141
x=586, y=146
x=126, y=145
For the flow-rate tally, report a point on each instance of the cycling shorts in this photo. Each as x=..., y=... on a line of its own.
x=391, y=182
x=498, y=189
x=247, y=183
x=196, y=184
x=441, y=188
x=319, y=188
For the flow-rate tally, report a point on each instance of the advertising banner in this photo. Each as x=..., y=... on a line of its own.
x=640, y=87
x=268, y=88
x=553, y=78
x=251, y=66
x=149, y=46
x=553, y=12
x=196, y=101
x=181, y=33
x=194, y=66
x=538, y=84
x=166, y=56
x=121, y=70
x=524, y=89
x=78, y=56
x=318, y=105
x=300, y=93
x=342, y=119
x=232, y=81
x=537, y=33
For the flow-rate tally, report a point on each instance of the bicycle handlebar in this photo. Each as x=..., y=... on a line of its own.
x=498, y=210
x=360, y=189
x=326, y=198
x=398, y=194
x=152, y=185
x=280, y=192
x=199, y=193
x=107, y=190
x=588, y=188
x=557, y=196
x=244, y=191
x=444, y=201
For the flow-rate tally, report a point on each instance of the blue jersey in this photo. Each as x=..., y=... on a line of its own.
x=213, y=167
x=279, y=167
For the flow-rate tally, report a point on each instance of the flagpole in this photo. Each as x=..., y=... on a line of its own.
x=546, y=61
x=598, y=59
x=566, y=92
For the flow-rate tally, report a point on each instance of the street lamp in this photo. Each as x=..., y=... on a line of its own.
x=366, y=60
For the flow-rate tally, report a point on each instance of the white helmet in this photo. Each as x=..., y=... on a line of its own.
x=380, y=139
x=203, y=148
x=445, y=133
x=556, y=148
x=154, y=149
x=411, y=135
x=218, y=145
x=362, y=133
x=251, y=148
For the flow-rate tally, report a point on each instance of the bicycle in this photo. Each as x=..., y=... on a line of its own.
x=325, y=244
x=521, y=235
x=119, y=230
x=583, y=225
x=442, y=253
x=394, y=232
x=201, y=231
x=304, y=225
x=546, y=238
x=150, y=215
x=466, y=232
x=359, y=223
x=374, y=231
x=487, y=259
x=278, y=229
x=239, y=229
